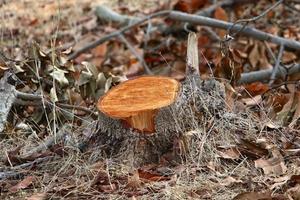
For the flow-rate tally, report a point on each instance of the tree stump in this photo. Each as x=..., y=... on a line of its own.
x=199, y=103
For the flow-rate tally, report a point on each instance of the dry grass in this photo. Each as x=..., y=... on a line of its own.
x=76, y=175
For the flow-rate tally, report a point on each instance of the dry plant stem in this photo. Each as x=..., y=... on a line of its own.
x=247, y=31
x=139, y=57
x=275, y=69
x=13, y=170
x=264, y=75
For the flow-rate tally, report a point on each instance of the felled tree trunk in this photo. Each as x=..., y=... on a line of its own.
x=197, y=103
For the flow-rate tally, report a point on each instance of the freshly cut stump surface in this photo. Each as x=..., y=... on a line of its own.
x=134, y=96
x=137, y=101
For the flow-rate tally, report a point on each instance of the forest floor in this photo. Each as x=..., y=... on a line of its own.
x=49, y=143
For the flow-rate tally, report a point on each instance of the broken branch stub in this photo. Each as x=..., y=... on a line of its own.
x=137, y=101
x=192, y=55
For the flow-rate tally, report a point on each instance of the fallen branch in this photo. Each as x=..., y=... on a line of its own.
x=107, y=15
x=136, y=54
x=26, y=99
x=54, y=139
x=247, y=31
x=196, y=20
x=277, y=63
x=116, y=33
x=13, y=173
x=264, y=75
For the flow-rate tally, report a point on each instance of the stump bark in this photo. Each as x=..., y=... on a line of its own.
x=198, y=102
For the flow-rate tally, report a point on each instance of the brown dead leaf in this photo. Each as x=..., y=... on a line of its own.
x=134, y=68
x=294, y=192
x=280, y=181
x=201, y=193
x=288, y=57
x=253, y=56
x=189, y=6
x=221, y=14
x=178, y=70
x=108, y=188
x=290, y=112
x=228, y=181
x=147, y=176
x=275, y=101
x=296, y=114
x=99, y=53
x=251, y=149
x=256, y=88
x=27, y=181
x=38, y=196
x=134, y=181
x=272, y=166
x=252, y=101
x=229, y=66
x=253, y=196
x=231, y=153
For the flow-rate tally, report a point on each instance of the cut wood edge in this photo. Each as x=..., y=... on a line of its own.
x=192, y=62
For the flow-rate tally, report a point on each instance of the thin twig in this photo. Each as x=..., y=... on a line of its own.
x=247, y=21
x=117, y=33
x=277, y=63
x=213, y=35
x=136, y=54
x=278, y=86
x=27, y=96
x=270, y=51
x=27, y=99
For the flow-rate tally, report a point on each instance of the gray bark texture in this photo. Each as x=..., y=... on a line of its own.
x=7, y=98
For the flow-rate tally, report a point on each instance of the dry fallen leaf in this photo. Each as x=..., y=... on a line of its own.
x=27, y=181
x=272, y=166
x=221, y=14
x=256, y=88
x=147, y=176
x=38, y=196
x=231, y=153
x=134, y=181
x=253, y=196
x=228, y=181
x=189, y=6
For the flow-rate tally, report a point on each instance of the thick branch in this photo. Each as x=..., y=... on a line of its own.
x=266, y=74
x=197, y=20
x=247, y=31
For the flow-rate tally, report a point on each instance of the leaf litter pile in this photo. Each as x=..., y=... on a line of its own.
x=233, y=136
